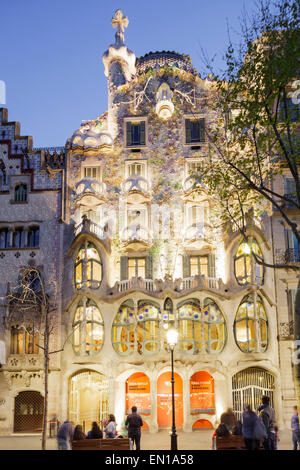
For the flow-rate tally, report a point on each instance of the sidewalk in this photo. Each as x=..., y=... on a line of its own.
x=200, y=440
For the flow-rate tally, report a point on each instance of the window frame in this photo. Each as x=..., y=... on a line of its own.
x=195, y=117
x=136, y=120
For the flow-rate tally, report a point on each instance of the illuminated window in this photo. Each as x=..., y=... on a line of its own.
x=136, y=169
x=199, y=265
x=136, y=267
x=201, y=330
x=244, y=325
x=93, y=172
x=123, y=337
x=21, y=193
x=88, y=267
x=148, y=321
x=244, y=262
x=24, y=340
x=88, y=328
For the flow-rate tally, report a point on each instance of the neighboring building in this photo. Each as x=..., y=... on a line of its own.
x=128, y=246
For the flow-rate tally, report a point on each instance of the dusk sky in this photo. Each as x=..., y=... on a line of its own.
x=51, y=53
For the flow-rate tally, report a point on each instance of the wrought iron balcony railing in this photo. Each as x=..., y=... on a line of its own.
x=87, y=226
x=286, y=330
x=290, y=255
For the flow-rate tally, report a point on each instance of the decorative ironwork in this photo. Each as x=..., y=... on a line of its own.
x=286, y=330
x=29, y=409
x=290, y=255
x=248, y=387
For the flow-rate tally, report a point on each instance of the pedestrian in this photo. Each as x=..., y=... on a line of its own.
x=295, y=429
x=65, y=435
x=134, y=423
x=267, y=416
x=78, y=433
x=250, y=419
x=111, y=428
x=228, y=418
x=95, y=432
x=237, y=429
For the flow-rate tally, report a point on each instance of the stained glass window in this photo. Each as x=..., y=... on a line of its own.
x=244, y=262
x=244, y=325
x=88, y=267
x=123, y=336
x=88, y=328
x=148, y=320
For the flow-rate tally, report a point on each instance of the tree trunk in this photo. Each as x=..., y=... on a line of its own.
x=296, y=354
x=46, y=369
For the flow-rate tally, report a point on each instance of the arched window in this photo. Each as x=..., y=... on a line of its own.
x=24, y=340
x=201, y=330
x=246, y=335
x=123, y=329
x=88, y=328
x=244, y=263
x=214, y=327
x=148, y=327
x=189, y=326
x=88, y=267
x=21, y=192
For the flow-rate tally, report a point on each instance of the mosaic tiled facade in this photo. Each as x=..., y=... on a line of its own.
x=131, y=246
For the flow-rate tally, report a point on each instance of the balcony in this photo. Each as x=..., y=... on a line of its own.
x=137, y=189
x=89, y=192
x=193, y=187
x=136, y=236
x=87, y=226
x=157, y=286
x=288, y=256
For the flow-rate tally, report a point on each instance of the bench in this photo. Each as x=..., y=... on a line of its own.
x=101, y=444
x=233, y=443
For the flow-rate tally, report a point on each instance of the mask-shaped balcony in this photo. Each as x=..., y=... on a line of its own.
x=136, y=237
x=194, y=190
x=137, y=189
x=90, y=192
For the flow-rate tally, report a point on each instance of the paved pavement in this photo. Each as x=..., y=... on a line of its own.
x=198, y=440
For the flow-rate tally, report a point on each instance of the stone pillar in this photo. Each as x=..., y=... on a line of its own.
x=111, y=395
x=187, y=419
x=153, y=423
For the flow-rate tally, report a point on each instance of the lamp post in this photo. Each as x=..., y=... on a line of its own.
x=172, y=337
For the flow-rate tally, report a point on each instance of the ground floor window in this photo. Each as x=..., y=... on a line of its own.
x=164, y=400
x=29, y=409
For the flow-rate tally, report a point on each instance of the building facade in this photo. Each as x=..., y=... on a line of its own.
x=128, y=245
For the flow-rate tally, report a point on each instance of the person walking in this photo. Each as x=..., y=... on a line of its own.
x=134, y=423
x=95, y=432
x=267, y=416
x=229, y=419
x=111, y=428
x=296, y=429
x=250, y=419
x=65, y=435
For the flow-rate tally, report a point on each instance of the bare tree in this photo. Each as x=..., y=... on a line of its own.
x=30, y=303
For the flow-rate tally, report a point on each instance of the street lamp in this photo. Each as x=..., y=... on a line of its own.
x=172, y=338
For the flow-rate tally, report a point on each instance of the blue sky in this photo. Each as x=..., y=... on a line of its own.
x=51, y=52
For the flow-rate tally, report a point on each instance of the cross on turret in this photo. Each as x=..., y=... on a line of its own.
x=120, y=22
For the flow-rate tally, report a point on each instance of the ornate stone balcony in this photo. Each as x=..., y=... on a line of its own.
x=288, y=256
x=157, y=286
x=137, y=189
x=136, y=235
x=87, y=226
x=90, y=192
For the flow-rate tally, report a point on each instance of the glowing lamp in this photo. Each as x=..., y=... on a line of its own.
x=172, y=337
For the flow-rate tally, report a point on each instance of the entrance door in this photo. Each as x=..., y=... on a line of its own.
x=164, y=400
x=248, y=387
x=88, y=398
x=29, y=410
